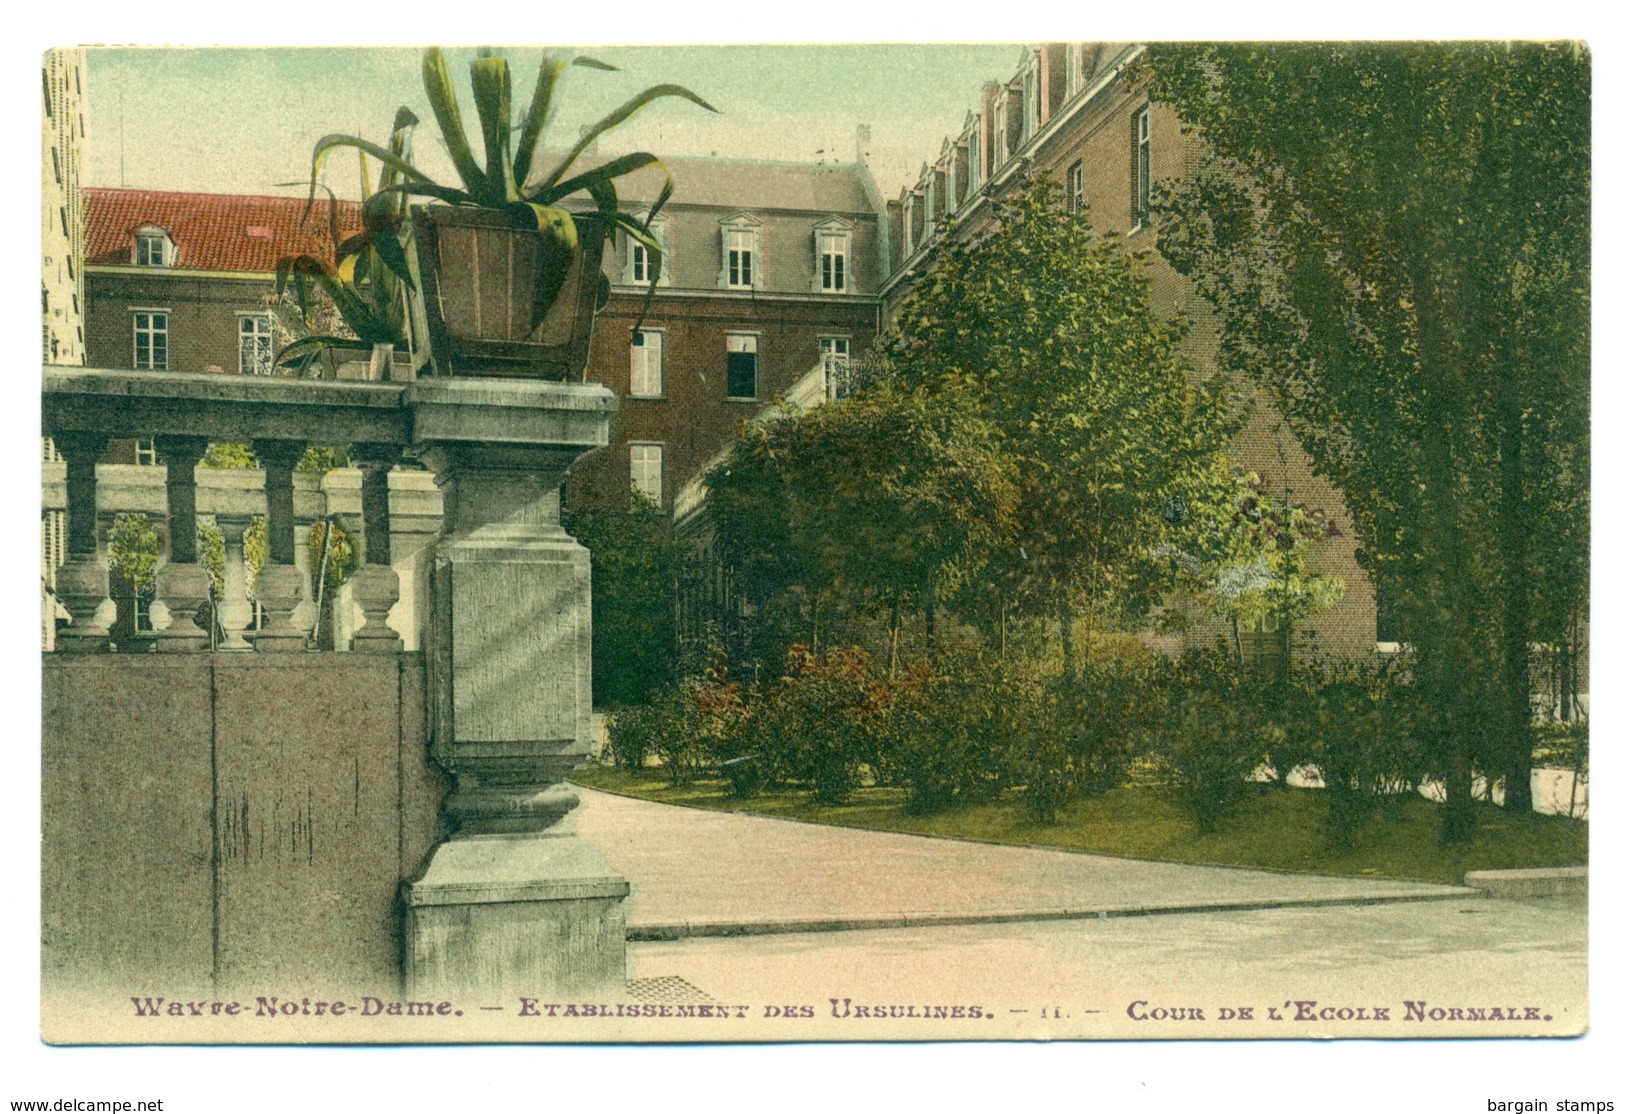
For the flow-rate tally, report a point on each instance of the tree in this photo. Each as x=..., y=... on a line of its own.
x=635, y=562
x=1396, y=241
x=1050, y=332
x=876, y=502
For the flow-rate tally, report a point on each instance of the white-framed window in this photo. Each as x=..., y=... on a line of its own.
x=151, y=339
x=648, y=366
x=834, y=240
x=741, y=253
x=640, y=264
x=930, y=204
x=1140, y=168
x=835, y=354
x=742, y=365
x=153, y=248
x=254, y=343
x=1074, y=187
x=146, y=452
x=648, y=467
x=950, y=193
x=908, y=224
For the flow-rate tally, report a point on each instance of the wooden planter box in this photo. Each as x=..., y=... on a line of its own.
x=479, y=269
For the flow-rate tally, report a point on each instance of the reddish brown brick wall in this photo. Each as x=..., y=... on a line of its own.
x=202, y=316
x=694, y=420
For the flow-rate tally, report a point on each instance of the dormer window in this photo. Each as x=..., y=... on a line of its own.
x=1029, y=102
x=640, y=261
x=834, y=238
x=1001, y=142
x=741, y=252
x=930, y=204
x=154, y=248
x=973, y=147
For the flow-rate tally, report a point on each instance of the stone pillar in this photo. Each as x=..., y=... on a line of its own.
x=81, y=582
x=375, y=585
x=182, y=583
x=514, y=901
x=281, y=585
x=236, y=611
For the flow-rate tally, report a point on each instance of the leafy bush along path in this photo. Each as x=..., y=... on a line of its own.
x=1272, y=829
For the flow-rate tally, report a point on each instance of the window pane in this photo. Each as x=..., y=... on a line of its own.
x=646, y=470
x=646, y=366
x=741, y=374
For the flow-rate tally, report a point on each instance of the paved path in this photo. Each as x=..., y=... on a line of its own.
x=700, y=873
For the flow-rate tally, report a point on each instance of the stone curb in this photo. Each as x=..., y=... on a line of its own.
x=1553, y=881
x=682, y=930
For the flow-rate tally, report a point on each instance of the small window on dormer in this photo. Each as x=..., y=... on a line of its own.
x=640, y=263
x=154, y=248
x=741, y=253
x=834, y=242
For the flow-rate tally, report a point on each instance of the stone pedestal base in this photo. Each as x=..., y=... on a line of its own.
x=499, y=916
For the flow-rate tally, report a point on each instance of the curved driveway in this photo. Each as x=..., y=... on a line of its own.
x=702, y=873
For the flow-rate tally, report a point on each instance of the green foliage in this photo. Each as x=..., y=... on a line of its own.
x=332, y=550
x=635, y=562
x=228, y=456
x=959, y=734
x=652, y=729
x=322, y=459
x=1050, y=333
x=256, y=551
x=1213, y=735
x=929, y=487
x=211, y=554
x=133, y=550
x=1396, y=241
x=1255, y=568
x=510, y=145
x=366, y=280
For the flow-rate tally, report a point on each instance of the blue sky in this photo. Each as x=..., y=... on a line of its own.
x=245, y=119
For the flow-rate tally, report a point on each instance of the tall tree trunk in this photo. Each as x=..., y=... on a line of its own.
x=896, y=629
x=1069, y=663
x=930, y=622
x=1446, y=641
x=1517, y=745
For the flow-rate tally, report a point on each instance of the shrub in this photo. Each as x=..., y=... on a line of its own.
x=1359, y=724
x=814, y=725
x=958, y=734
x=638, y=734
x=1209, y=739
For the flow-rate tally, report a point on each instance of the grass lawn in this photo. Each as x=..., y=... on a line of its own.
x=1278, y=829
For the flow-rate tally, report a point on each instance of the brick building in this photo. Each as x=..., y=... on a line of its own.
x=187, y=281
x=1068, y=112
x=772, y=271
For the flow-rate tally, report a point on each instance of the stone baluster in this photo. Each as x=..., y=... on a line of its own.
x=182, y=584
x=236, y=610
x=375, y=585
x=282, y=585
x=81, y=582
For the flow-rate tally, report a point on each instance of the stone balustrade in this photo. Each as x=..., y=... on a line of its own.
x=513, y=899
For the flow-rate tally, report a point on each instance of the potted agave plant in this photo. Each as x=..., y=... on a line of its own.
x=362, y=280
x=509, y=277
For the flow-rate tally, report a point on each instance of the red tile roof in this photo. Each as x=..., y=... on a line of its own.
x=211, y=231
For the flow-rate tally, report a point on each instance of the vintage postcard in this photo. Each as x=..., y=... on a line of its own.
x=1053, y=541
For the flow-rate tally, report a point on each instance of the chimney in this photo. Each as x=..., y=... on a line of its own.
x=863, y=145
